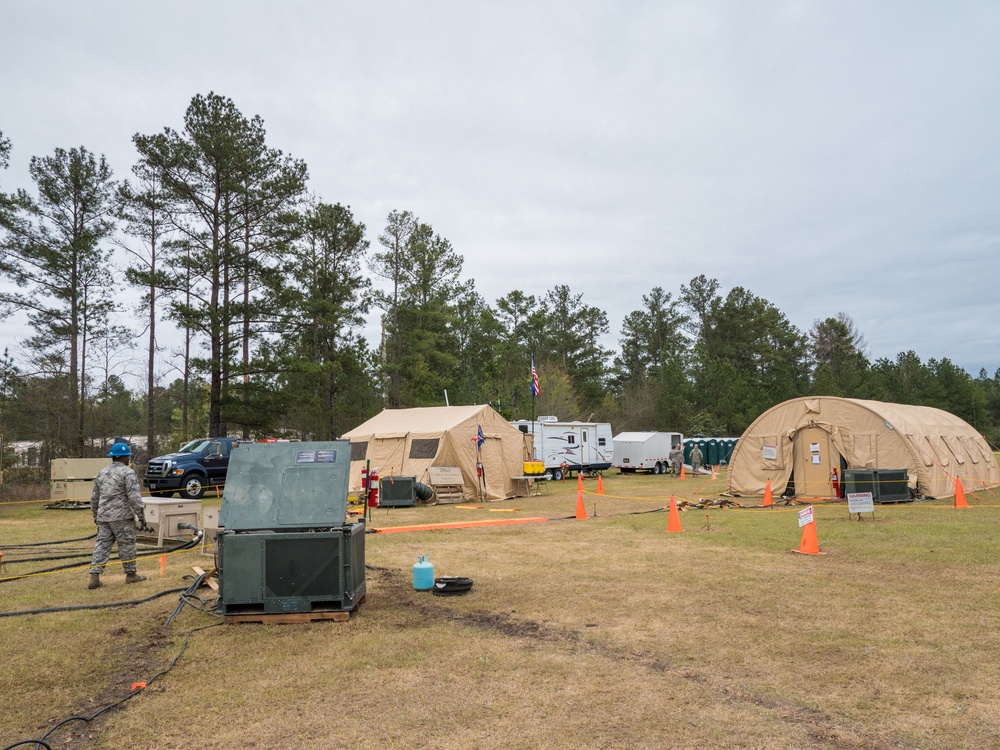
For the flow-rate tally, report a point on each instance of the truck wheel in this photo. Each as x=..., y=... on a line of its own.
x=193, y=488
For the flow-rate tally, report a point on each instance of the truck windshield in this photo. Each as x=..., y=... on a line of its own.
x=195, y=446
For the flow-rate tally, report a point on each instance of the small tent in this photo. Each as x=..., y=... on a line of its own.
x=805, y=439
x=407, y=442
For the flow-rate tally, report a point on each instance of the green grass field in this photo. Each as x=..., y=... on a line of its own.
x=603, y=633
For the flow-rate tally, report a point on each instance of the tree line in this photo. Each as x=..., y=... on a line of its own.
x=269, y=287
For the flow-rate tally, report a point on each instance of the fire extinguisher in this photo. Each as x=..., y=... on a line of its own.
x=479, y=469
x=373, y=489
x=835, y=481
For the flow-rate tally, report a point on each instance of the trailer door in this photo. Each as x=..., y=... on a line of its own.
x=585, y=457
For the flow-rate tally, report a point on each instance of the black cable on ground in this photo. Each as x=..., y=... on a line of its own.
x=45, y=544
x=187, y=545
x=141, y=551
x=75, y=607
x=41, y=741
x=186, y=597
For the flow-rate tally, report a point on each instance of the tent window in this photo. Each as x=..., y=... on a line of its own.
x=359, y=451
x=956, y=453
x=424, y=448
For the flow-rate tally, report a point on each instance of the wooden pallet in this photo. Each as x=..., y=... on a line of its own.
x=292, y=618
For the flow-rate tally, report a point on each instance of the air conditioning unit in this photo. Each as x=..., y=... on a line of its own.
x=271, y=572
x=284, y=544
x=885, y=485
x=893, y=485
x=397, y=492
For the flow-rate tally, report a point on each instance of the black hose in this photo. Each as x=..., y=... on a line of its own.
x=187, y=545
x=75, y=607
x=45, y=544
x=185, y=598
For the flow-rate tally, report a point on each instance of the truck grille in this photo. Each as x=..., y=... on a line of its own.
x=156, y=469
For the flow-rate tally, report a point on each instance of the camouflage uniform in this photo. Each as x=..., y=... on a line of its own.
x=115, y=501
x=695, y=458
x=676, y=459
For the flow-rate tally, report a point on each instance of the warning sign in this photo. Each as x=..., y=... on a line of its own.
x=805, y=516
x=860, y=502
x=769, y=452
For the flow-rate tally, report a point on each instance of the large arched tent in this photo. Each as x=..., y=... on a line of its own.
x=807, y=438
x=407, y=442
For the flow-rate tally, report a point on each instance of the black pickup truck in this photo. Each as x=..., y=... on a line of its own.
x=197, y=466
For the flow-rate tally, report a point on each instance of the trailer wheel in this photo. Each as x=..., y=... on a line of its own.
x=658, y=469
x=557, y=475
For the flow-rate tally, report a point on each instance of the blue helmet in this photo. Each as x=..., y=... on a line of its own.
x=118, y=450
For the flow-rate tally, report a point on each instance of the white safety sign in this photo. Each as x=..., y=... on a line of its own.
x=805, y=516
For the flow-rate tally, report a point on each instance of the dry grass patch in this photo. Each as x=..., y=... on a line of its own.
x=600, y=633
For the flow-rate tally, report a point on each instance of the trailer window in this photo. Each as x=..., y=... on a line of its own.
x=601, y=441
x=571, y=439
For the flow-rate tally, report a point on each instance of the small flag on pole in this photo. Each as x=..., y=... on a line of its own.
x=535, y=390
x=480, y=438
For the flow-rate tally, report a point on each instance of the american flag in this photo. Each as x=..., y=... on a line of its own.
x=535, y=390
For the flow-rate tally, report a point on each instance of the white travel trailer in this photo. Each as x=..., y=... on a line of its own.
x=645, y=451
x=565, y=447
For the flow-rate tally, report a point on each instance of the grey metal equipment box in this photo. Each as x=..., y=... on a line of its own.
x=397, y=492
x=285, y=545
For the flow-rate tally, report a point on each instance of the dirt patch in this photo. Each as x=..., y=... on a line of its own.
x=826, y=730
x=142, y=643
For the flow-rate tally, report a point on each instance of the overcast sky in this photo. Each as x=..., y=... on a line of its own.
x=827, y=156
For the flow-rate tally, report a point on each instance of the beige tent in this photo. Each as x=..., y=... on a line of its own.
x=806, y=438
x=406, y=442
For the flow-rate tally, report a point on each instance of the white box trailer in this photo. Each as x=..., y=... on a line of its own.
x=645, y=451
x=565, y=447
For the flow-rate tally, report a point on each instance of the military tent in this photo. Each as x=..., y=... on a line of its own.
x=805, y=439
x=407, y=442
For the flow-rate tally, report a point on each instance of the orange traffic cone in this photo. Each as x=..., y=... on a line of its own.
x=960, y=494
x=768, y=495
x=581, y=509
x=579, y=481
x=809, y=544
x=674, y=519
x=600, y=485
x=682, y=472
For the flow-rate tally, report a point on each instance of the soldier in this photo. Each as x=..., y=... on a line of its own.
x=676, y=459
x=695, y=458
x=116, y=503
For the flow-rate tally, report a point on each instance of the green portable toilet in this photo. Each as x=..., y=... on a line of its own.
x=712, y=452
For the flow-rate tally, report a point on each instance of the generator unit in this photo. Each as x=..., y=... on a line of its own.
x=284, y=543
x=165, y=516
x=885, y=485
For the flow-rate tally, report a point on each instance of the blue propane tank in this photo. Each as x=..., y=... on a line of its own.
x=423, y=574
